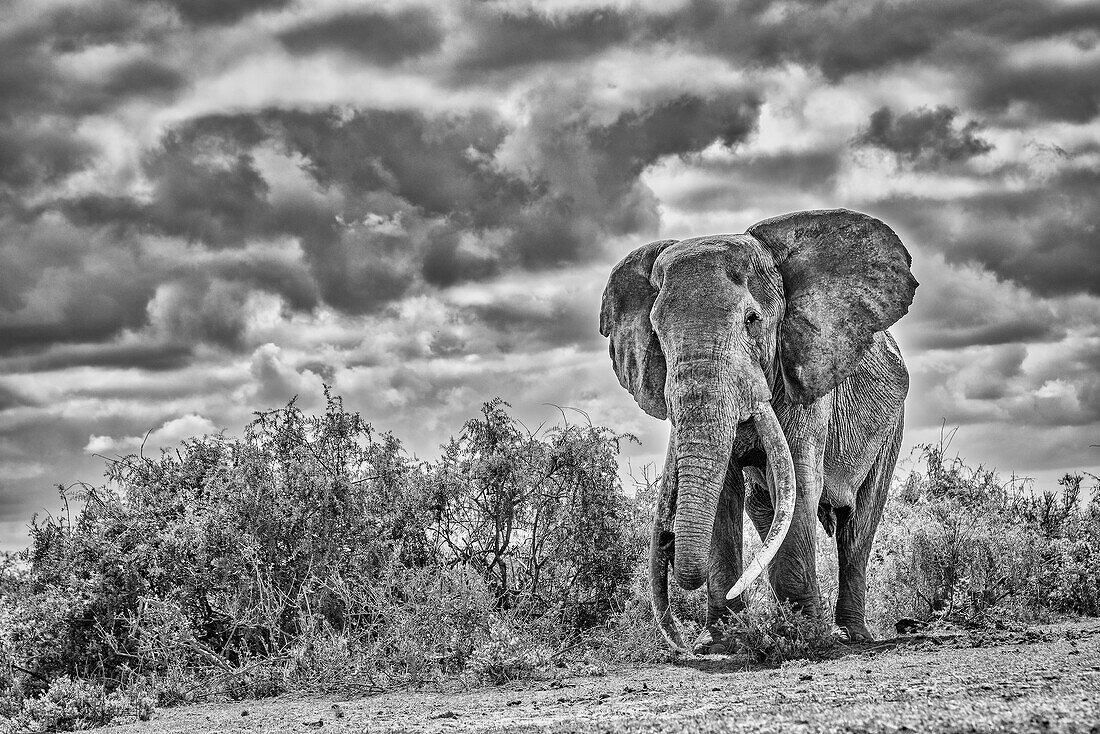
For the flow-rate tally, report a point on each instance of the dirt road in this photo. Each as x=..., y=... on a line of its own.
x=1047, y=680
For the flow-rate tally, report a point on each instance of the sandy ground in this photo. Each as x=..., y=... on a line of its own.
x=1045, y=680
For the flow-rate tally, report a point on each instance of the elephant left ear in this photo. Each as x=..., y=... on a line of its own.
x=846, y=276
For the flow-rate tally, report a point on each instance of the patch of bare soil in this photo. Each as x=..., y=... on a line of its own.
x=1043, y=680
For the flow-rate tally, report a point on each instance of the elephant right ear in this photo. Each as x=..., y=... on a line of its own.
x=635, y=352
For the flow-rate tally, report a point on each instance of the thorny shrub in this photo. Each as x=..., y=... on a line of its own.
x=957, y=545
x=775, y=632
x=313, y=552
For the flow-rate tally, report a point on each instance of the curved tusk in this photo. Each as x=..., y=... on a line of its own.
x=781, y=472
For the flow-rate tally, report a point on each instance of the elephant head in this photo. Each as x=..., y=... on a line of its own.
x=710, y=332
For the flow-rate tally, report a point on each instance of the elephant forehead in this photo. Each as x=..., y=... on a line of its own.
x=734, y=253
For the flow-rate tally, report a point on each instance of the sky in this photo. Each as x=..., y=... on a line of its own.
x=208, y=207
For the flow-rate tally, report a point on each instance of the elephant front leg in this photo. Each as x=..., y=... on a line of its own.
x=793, y=571
x=725, y=563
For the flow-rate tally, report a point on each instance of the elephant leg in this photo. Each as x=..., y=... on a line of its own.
x=725, y=561
x=793, y=571
x=855, y=533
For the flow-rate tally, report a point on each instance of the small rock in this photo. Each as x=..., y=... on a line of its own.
x=244, y=712
x=445, y=715
x=337, y=711
x=314, y=724
x=514, y=703
x=806, y=676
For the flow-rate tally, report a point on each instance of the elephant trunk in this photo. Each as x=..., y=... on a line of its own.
x=704, y=432
x=660, y=556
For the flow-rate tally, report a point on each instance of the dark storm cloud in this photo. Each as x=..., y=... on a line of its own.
x=41, y=152
x=683, y=125
x=1044, y=237
x=375, y=37
x=529, y=324
x=43, y=98
x=505, y=38
x=11, y=398
x=216, y=197
x=759, y=178
x=157, y=357
x=967, y=306
x=143, y=78
x=925, y=135
x=1055, y=91
x=839, y=38
x=59, y=284
x=971, y=38
x=417, y=190
x=221, y=12
x=201, y=309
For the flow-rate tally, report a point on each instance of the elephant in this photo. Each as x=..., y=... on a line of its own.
x=769, y=353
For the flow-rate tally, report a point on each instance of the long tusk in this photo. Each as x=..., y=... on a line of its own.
x=781, y=472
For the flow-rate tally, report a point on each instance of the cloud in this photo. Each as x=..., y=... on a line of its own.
x=199, y=310
x=60, y=284
x=150, y=355
x=220, y=12
x=208, y=207
x=756, y=180
x=923, y=135
x=11, y=398
x=413, y=198
x=965, y=305
x=376, y=37
x=502, y=38
x=276, y=381
x=1049, y=89
x=41, y=153
x=169, y=434
x=1042, y=236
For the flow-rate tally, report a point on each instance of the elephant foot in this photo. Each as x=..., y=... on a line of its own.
x=711, y=642
x=854, y=632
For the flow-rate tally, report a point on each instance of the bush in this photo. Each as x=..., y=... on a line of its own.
x=507, y=655
x=774, y=632
x=958, y=545
x=313, y=552
x=71, y=705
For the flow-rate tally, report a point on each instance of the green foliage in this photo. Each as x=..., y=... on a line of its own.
x=958, y=545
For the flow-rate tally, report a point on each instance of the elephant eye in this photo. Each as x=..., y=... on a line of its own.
x=751, y=318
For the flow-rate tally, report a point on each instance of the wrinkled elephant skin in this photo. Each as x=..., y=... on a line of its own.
x=769, y=353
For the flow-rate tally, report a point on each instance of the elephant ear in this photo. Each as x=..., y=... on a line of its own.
x=624, y=317
x=846, y=276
